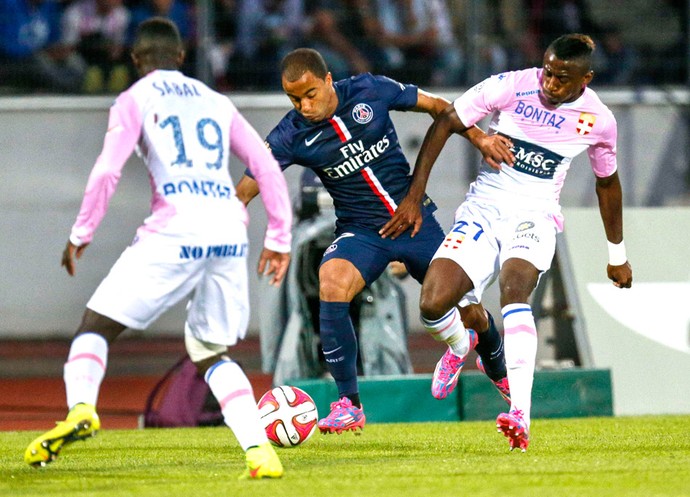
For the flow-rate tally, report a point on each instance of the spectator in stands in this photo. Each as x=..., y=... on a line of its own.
x=222, y=47
x=491, y=35
x=616, y=62
x=97, y=29
x=31, y=56
x=177, y=11
x=673, y=57
x=266, y=31
x=549, y=20
x=418, y=41
x=343, y=32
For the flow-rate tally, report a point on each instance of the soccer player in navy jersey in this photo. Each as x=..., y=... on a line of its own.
x=343, y=131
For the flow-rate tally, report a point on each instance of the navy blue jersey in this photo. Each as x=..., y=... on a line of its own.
x=356, y=153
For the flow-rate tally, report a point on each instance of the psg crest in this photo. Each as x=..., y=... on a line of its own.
x=362, y=113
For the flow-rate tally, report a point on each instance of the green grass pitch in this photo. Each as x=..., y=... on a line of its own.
x=621, y=456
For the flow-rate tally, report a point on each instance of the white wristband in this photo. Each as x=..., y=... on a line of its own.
x=617, y=256
x=74, y=240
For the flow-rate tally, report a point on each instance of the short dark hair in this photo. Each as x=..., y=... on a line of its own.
x=158, y=39
x=302, y=60
x=573, y=46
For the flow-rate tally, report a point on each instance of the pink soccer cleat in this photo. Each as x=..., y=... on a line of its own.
x=501, y=385
x=513, y=426
x=343, y=417
x=448, y=370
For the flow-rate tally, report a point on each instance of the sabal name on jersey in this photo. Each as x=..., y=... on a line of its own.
x=179, y=90
x=357, y=157
x=541, y=116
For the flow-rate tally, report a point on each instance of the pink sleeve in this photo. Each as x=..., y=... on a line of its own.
x=246, y=144
x=124, y=128
x=482, y=99
x=602, y=155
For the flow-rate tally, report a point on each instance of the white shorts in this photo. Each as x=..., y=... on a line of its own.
x=158, y=271
x=483, y=237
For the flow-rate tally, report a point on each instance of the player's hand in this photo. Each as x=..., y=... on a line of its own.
x=620, y=275
x=408, y=214
x=397, y=269
x=70, y=254
x=496, y=149
x=274, y=263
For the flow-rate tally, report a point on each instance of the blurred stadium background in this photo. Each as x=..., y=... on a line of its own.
x=59, y=73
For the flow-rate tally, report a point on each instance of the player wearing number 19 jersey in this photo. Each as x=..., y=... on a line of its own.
x=343, y=132
x=193, y=244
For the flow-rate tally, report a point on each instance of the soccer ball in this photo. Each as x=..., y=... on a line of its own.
x=289, y=415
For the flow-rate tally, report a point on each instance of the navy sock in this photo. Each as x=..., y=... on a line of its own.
x=339, y=344
x=490, y=349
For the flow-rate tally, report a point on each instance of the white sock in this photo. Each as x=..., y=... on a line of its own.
x=449, y=329
x=85, y=368
x=234, y=393
x=520, y=336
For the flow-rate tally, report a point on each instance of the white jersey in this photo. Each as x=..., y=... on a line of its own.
x=546, y=139
x=184, y=131
x=185, y=146
x=195, y=240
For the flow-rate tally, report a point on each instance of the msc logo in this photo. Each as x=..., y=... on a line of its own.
x=362, y=113
x=535, y=160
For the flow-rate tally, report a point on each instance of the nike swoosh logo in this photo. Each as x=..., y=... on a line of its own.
x=313, y=139
x=332, y=351
x=344, y=235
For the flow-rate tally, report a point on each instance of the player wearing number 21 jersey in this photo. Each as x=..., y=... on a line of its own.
x=545, y=139
x=506, y=227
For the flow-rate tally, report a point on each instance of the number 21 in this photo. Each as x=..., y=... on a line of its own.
x=461, y=225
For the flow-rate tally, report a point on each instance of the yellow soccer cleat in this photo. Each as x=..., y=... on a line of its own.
x=262, y=462
x=82, y=422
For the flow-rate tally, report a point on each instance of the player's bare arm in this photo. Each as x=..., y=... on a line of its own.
x=495, y=149
x=270, y=262
x=430, y=103
x=246, y=189
x=408, y=212
x=69, y=256
x=610, y=196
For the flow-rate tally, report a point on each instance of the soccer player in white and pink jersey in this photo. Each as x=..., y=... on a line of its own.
x=541, y=118
x=193, y=245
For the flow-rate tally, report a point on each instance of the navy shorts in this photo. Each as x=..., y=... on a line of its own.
x=371, y=254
